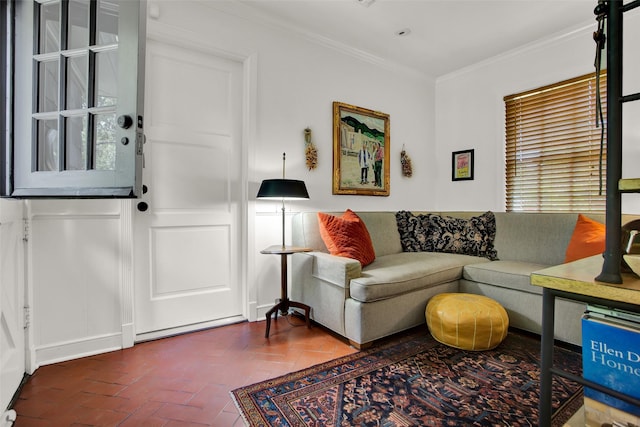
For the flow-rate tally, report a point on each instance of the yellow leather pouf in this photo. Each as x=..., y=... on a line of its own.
x=467, y=321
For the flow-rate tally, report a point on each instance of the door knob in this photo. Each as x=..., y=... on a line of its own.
x=143, y=206
x=125, y=121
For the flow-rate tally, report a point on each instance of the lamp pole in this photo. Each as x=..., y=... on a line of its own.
x=284, y=155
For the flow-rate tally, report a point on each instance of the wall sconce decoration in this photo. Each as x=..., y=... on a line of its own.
x=310, y=152
x=405, y=162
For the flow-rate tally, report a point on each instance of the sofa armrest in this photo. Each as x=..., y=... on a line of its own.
x=334, y=269
x=322, y=282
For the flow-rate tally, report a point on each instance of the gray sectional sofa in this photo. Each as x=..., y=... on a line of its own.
x=390, y=294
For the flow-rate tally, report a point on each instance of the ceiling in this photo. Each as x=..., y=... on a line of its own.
x=443, y=36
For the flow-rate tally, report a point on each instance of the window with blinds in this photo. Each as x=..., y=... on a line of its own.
x=553, y=153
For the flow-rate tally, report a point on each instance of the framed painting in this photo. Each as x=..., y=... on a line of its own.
x=360, y=151
x=462, y=165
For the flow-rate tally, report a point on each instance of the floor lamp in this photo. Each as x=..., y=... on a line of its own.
x=284, y=189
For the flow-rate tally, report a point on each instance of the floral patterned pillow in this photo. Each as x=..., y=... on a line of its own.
x=413, y=235
x=436, y=233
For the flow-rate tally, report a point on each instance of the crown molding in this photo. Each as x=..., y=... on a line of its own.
x=240, y=9
x=576, y=31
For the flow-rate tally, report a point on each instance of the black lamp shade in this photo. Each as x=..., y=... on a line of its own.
x=282, y=189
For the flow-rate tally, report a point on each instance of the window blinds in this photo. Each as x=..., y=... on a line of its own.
x=553, y=147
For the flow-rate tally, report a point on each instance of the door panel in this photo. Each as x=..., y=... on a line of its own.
x=193, y=176
x=12, y=348
x=207, y=102
x=188, y=241
x=204, y=270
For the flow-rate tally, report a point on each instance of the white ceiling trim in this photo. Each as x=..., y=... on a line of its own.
x=584, y=30
x=243, y=11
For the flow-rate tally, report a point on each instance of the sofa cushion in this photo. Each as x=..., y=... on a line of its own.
x=383, y=230
x=533, y=236
x=346, y=236
x=473, y=236
x=413, y=234
x=506, y=274
x=396, y=274
x=439, y=233
x=588, y=239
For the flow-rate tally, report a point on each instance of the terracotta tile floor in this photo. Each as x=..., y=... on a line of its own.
x=179, y=381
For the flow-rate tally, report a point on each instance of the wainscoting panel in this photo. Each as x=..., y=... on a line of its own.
x=75, y=251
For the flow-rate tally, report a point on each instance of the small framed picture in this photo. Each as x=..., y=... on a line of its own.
x=462, y=165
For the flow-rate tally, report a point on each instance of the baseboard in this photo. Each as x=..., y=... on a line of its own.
x=150, y=336
x=64, y=351
x=61, y=352
x=128, y=335
x=262, y=310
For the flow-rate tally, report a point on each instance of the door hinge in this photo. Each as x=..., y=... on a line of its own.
x=25, y=230
x=27, y=317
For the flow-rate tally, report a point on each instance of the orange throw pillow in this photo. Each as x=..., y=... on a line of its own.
x=587, y=240
x=347, y=236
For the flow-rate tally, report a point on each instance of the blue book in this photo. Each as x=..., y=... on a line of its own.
x=611, y=357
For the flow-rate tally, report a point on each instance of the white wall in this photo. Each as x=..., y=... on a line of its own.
x=78, y=277
x=470, y=111
x=297, y=81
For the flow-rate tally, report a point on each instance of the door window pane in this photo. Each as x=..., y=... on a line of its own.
x=78, y=30
x=106, y=80
x=47, y=86
x=107, y=22
x=47, y=137
x=69, y=56
x=49, y=29
x=105, y=137
x=77, y=74
x=76, y=143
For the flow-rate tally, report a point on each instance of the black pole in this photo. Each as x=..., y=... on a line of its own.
x=613, y=251
x=546, y=357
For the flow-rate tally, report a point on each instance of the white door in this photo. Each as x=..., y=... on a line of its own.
x=12, y=349
x=188, y=240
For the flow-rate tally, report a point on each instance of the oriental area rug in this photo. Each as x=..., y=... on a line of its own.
x=415, y=381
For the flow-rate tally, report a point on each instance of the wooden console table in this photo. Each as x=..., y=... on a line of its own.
x=285, y=303
x=575, y=281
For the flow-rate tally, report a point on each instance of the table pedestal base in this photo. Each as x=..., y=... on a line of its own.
x=284, y=303
x=283, y=306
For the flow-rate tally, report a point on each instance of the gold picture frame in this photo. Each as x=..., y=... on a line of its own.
x=361, y=143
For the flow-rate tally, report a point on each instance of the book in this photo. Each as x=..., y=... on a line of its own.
x=614, y=313
x=611, y=357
